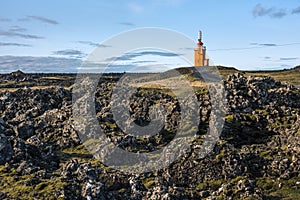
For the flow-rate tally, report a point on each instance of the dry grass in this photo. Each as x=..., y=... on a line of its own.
x=283, y=76
x=57, y=78
x=292, y=75
x=31, y=88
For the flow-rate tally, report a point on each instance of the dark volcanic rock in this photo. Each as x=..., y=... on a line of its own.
x=24, y=130
x=256, y=156
x=6, y=151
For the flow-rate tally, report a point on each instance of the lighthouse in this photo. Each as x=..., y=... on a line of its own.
x=200, y=53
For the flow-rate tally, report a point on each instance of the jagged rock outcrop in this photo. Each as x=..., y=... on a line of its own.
x=257, y=155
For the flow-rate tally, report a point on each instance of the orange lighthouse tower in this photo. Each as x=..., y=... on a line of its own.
x=200, y=53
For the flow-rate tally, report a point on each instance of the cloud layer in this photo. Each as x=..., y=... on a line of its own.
x=260, y=11
x=72, y=53
x=93, y=44
x=126, y=23
x=264, y=44
x=131, y=56
x=14, y=44
x=31, y=64
x=290, y=58
x=273, y=12
x=5, y=20
x=296, y=10
x=19, y=35
x=40, y=19
x=18, y=32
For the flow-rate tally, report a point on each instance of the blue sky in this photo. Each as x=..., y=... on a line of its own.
x=244, y=34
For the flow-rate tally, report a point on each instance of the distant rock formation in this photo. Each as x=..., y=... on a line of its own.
x=17, y=73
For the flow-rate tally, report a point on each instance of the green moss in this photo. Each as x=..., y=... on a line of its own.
x=149, y=182
x=283, y=122
x=229, y=118
x=79, y=152
x=202, y=186
x=263, y=112
x=122, y=190
x=201, y=91
x=220, y=155
x=250, y=198
x=288, y=190
x=287, y=193
x=266, y=184
x=110, y=125
x=48, y=187
x=17, y=187
x=274, y=125
x=215, y=184
x=247, y=123
x=212, y=184
x=237, y=179
x=2, y=169
x=250, y=116
x=265, y=154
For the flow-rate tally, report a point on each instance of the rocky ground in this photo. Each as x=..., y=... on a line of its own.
x=42, y=156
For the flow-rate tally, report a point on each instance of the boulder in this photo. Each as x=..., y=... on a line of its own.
x=6, y=151
x=24, y=130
